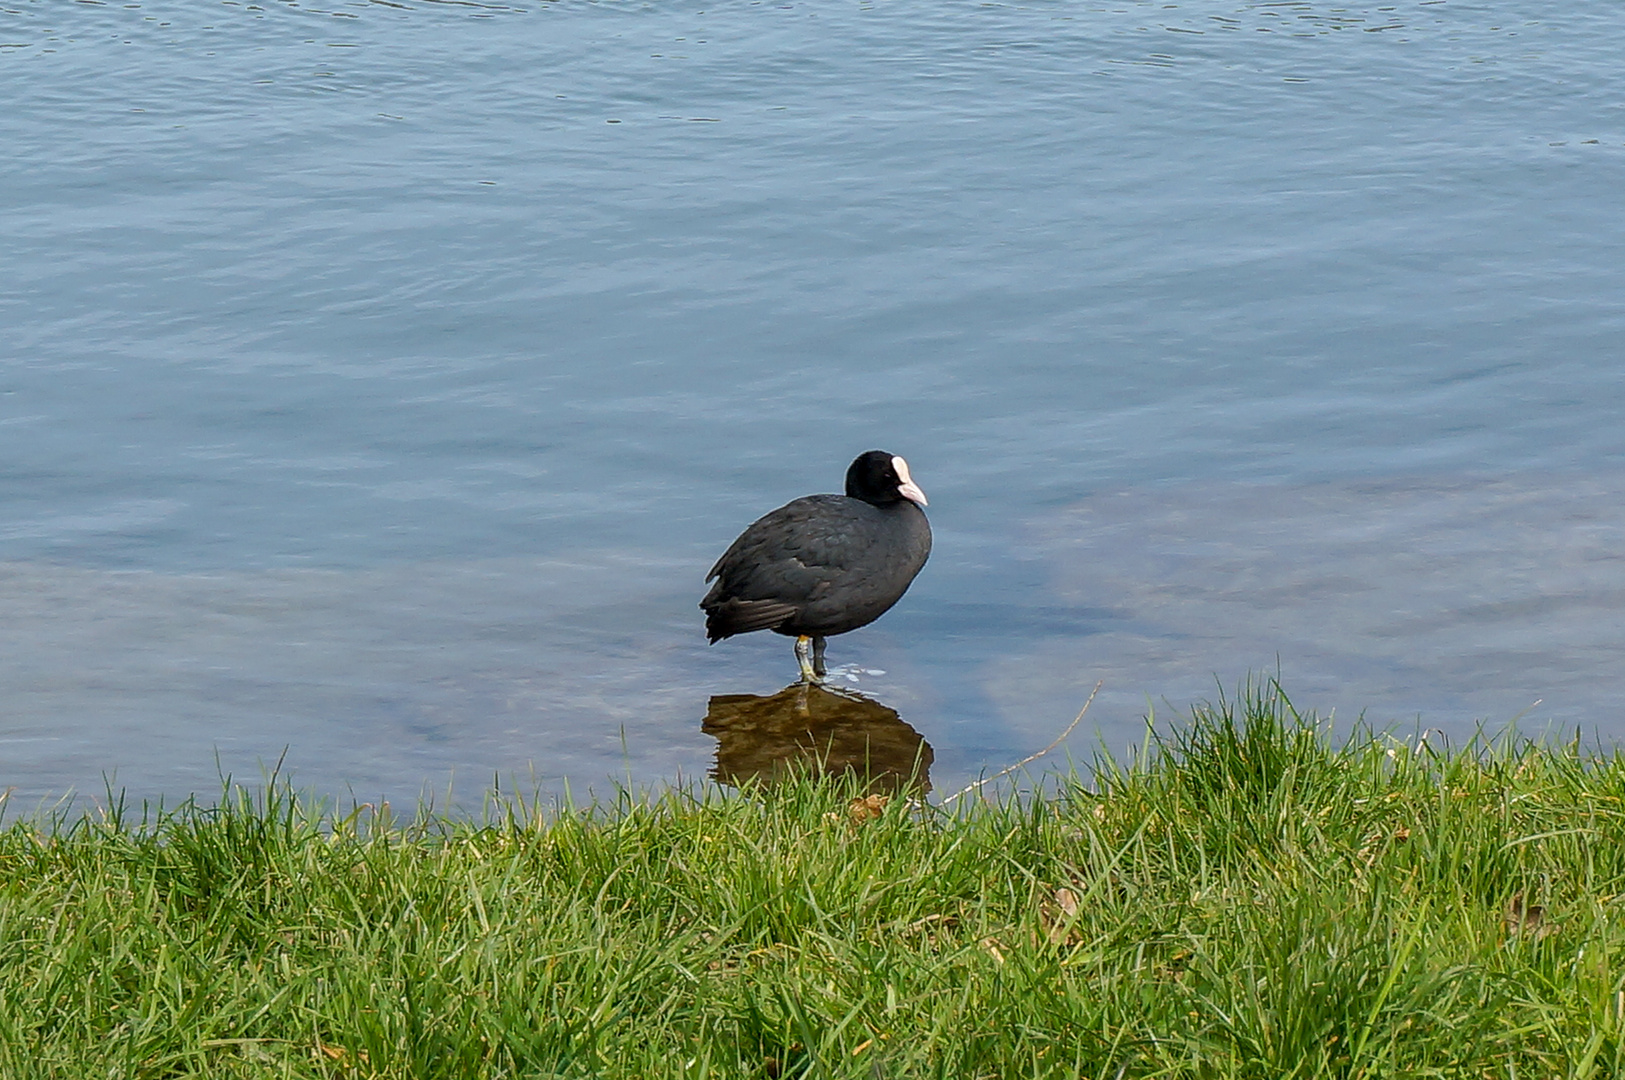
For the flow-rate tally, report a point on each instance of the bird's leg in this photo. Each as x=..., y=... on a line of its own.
x=804, y=658
x=818, y=657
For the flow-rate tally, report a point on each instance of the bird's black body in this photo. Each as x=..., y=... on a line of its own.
x=824, y=564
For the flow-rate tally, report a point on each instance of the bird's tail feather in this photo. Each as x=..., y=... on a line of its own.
x=735, y=616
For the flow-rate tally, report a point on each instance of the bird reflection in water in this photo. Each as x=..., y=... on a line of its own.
x=812, y=729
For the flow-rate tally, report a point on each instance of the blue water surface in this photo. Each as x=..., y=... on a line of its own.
x=378, y=381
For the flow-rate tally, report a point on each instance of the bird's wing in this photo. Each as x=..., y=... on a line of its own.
x=795, y=550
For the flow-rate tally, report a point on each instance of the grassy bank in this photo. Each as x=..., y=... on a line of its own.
x=1253, y=901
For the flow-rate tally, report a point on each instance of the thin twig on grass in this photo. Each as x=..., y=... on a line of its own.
x=1030, y=757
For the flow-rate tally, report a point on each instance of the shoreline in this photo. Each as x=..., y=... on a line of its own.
x=1250, y=898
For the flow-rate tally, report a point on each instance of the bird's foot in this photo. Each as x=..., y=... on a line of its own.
x=810, y=672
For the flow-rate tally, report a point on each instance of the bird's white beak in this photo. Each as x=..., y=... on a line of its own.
x=908, y=489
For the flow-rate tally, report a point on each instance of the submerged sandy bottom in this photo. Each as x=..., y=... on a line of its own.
x=1449, y=602
x=1452, y=600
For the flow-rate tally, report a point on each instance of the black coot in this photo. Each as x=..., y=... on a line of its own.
x=824, y=564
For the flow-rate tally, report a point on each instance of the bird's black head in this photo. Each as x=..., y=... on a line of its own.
x=881, y=479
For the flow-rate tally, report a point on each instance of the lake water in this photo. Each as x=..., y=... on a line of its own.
x=379, y=380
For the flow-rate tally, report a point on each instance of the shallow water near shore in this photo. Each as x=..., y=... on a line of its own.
x=379, y=382
x=1430, y=605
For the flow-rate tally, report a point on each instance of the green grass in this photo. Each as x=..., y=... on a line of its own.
x=1253, y=899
